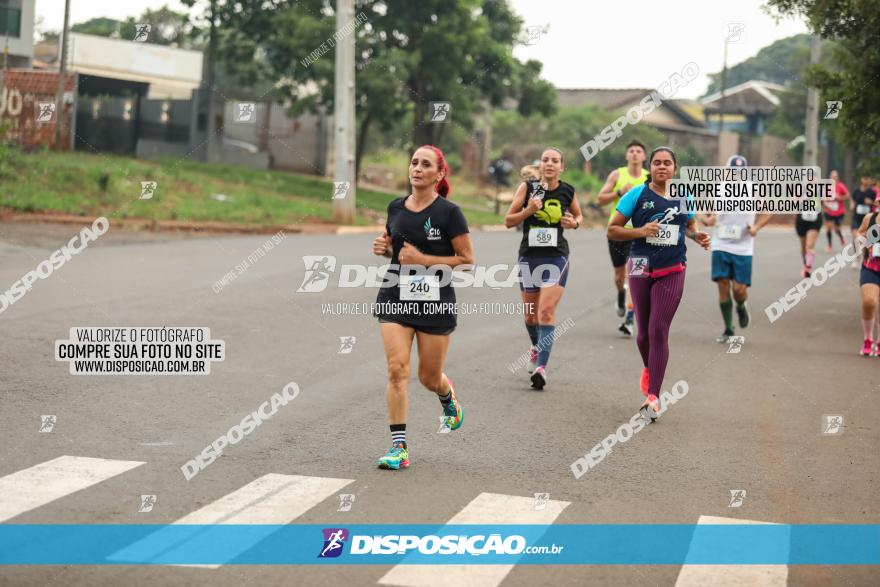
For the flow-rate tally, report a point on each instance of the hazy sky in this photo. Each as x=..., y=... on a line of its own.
x=589, y=43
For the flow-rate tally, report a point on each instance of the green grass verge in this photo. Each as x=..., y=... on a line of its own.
x=69, y=183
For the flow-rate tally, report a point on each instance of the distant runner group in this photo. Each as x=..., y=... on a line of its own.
x=646, y=233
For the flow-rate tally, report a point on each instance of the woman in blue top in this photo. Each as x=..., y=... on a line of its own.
x=656, y=266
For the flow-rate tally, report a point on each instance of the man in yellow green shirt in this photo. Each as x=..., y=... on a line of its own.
x=620, y=181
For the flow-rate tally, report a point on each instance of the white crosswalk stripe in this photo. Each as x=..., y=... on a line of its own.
x=271, y=499
x=486, y=508
x=36, y=486
x=731, y=575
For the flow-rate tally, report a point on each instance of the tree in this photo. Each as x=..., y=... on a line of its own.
x=853, y=25
x=167, y=27
x=781, y=62
x=568, y=129
x=100, y=27
x=408, y=54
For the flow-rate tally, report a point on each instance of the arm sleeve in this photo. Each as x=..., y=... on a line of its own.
x=627, y=204
x=457, y=223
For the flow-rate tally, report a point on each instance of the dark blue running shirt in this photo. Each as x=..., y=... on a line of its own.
x=643, y=205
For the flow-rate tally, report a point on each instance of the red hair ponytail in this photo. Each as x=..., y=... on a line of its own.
x=443, y=188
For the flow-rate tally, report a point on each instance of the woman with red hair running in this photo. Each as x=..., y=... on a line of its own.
x=423, y=229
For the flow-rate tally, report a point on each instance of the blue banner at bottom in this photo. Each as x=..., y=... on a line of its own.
x=561, y=544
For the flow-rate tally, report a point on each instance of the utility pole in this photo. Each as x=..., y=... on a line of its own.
x=811, y=134
x=343, y=116
x=62, y=74
x=723, y=87
x=208, y=92
x=5, y=61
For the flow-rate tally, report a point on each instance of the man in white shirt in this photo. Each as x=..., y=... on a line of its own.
x=732, y=249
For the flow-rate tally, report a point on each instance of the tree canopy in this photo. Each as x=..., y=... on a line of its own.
x=408, y=54
x=167, y=27
x=854, y=78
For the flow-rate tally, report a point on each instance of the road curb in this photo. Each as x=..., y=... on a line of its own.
x=221, y=227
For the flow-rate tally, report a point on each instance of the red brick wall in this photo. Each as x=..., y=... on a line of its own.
x=22, y=92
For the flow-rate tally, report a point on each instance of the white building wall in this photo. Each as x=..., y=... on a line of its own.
x=172, y=73
x=22, y=46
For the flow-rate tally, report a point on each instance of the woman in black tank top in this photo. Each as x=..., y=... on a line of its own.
x=545, y=209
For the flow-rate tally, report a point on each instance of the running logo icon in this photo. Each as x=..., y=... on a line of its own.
x=318, y=270
x=648, y=206
x=45, y=112
x=340, y=189
x=668, y=215
x=736, y=343
x=541, y=500
x=47, y=423
x=147, y=503
x=537, y=190
x=639, y=266
x=832, y=425
x=148, y=188
x=737, y=496
x=832, y=109
x=346, y=500
x=532, y=34
x=440, y=111
x=346, y=344
x=334, y=541
x=246, y=112
x=142, y=33
x=734, y=32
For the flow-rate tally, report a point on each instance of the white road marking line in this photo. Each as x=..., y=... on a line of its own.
x=271, y=499
x=36, y=486
x=486, y=508
x=732, y=575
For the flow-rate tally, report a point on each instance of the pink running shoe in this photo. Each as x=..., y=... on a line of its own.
x=645, y=382
x=868, y=348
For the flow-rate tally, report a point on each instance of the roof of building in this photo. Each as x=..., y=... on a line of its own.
x=611, y=98
x=751, y=97
x=38, y=82
x=170, y=72
x=619, y=98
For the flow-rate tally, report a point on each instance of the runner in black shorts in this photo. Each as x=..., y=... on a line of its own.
x=807, y=225
x=863, y=204
x=423, y=229
x=618, y=183
x=545, y=208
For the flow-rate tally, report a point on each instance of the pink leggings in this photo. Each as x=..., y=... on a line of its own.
x=655, y=302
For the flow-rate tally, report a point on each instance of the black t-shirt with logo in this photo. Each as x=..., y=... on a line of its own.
x=431, y=232
x=556, y=204
x=861, y=198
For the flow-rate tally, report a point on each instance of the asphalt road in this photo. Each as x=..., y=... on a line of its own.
x=751, y=420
